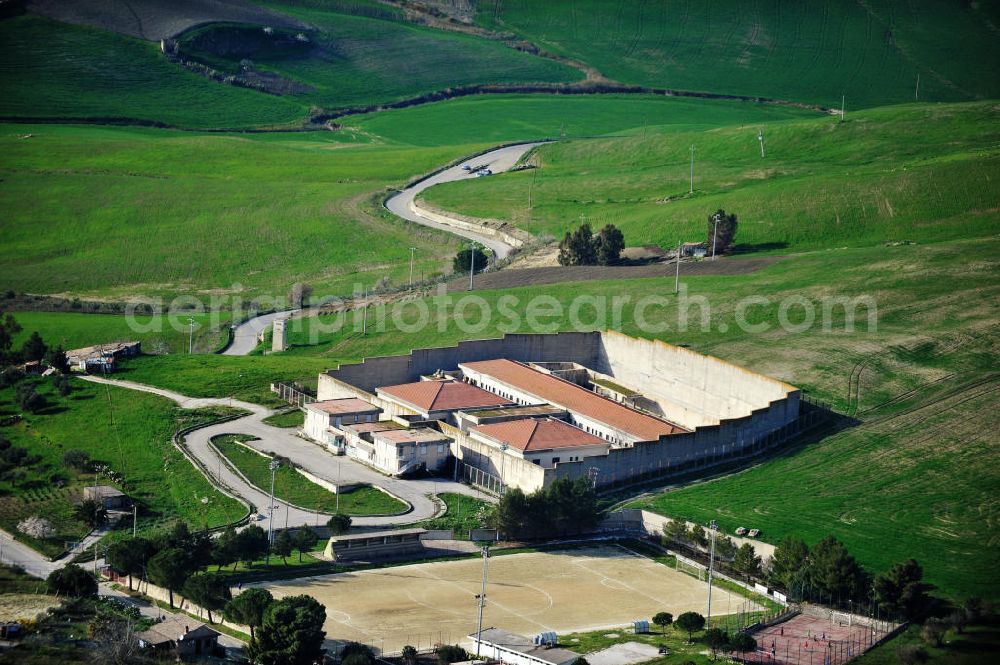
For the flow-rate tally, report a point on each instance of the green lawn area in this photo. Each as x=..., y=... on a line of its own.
x=128, y=431
x=293, y=418
x=464, y=513
x=14, y=581
x=871, y=52
x=916, y=173
x=293, y=487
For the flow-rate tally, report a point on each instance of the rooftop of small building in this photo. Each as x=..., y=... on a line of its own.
x=343, y=405
x=442, y=395
x=521, y=644
x=173, y=628
x=378, y=426
x=415, y=435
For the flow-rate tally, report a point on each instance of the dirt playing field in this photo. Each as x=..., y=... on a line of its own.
x=14, y=606
x=565, y=591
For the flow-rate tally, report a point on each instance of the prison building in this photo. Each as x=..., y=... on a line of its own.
x=401, y=451
x=597, y=415
x=513, y=649
x=543, y=441
x=356, y=439
x=375, y=545
x=436, y=399
x=324, y=418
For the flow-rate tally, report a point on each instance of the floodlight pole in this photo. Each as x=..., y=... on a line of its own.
x=712, y=527
x=412, y=250
x=270, y=511
x=482, y=599
x=691, y=190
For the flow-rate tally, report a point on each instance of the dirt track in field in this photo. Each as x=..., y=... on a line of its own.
x=510, y=279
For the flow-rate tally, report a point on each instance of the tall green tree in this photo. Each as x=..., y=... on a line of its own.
x=339, y=524
x=248, y=608
x=834, y=572
x=790, y=556
x=252, y=544
x=225, y=548
x=690, y=622
x=717, y=640
x=283, y=545
x=463, y=261
x=91, y=512
x=291, y=632
x=8, y=329
x=742, y=643
x=34, y=348
x=71, y=580
x=305, y=539
x=663, y=619
x=746, y=561
x=170, y=569
x=609, y=244
x=57, y=358
x=901, y=591
x=209, y=591
x=578, y=248
x=721, y=231
x=675, y=531
x=130, y=557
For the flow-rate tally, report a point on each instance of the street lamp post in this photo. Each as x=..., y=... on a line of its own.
x=472, y=263
x=190, y=335
x=270, y=511
x=715, y=234
x=503, y=466
x=691, y=190
x=482, y=599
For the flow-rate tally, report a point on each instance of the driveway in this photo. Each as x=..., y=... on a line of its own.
x=309, y=456
x=499, y=160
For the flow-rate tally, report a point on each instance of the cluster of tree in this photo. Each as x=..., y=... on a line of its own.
x=566, y=506
x=73, y=581
x=283, y=632
x=721, y=231
x=474, y=258
x=34, y=348
x=583, y=248
x=742, y=559
x=14, y=460
x=299, y=294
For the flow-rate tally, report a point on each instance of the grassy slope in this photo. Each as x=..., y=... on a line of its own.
x=296, y=489
x=129, y=431
x=870, y=51
x=508, y=117
x=73, y=330
x=920, y=173
x=355, y=60
x=54, y=70
x=177, y=212
x=971, y=648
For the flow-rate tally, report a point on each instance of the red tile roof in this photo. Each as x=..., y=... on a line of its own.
x=343, y=405
x=575, y=398
x=530, y=435
x=442, y=395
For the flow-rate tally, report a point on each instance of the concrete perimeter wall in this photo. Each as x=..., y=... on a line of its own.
x=691, y=389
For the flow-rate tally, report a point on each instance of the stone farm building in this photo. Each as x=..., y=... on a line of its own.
x=526, y=409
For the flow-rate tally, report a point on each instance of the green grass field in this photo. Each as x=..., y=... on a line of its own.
x=814, y=52
x=359, y=60
x=293, y=418
x=73, y=330
x=291, y=486
x=978, y=644
x=55, y=70
x=464, y=513
x=131, y=433
x=918, y=173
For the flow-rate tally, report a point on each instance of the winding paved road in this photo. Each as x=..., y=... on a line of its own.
x=499, y=160
x=245, y=335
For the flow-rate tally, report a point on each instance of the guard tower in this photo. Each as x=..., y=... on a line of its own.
x=279, y=337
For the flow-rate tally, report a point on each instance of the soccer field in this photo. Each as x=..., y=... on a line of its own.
x=565, y=591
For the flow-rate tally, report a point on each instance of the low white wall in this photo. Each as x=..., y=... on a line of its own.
x=480, y=228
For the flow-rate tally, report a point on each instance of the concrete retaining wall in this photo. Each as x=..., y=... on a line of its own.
x=482, y=227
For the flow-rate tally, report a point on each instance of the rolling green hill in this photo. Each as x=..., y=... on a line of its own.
x=917, y=173
x=870, y=51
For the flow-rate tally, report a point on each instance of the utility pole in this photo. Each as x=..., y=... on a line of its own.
x=270, y=511
x=412, y=250
x=712, y=527
x=190, y=335
x=760, y=137
x=482, y=599
x=677, y=273
x=338, y=486
x=472, y=262
x=842, y=98
x=715, y=234
x=134, y=518
x=916, y=92
x=364, y=316
x=691, y=191
x=503, y=466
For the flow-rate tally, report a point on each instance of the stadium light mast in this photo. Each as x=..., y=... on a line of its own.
x=270, y=511
x=691, y=190
x=712, y=527
x=482, y=599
